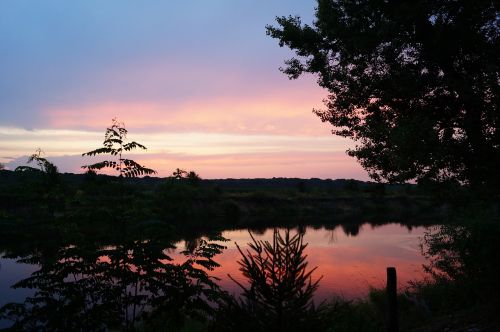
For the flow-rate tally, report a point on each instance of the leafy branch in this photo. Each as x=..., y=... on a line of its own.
x=114, y=144
x=44, y=165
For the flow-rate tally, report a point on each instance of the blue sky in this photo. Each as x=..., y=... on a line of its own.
x=190, y=68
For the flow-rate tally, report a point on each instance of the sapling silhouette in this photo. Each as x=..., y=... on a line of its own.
x=280, y=290
x=115, y=144
x=44, y=165
x=191, y=176
x=50, y=170
x=179, y=174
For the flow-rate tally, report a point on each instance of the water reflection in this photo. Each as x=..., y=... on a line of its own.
x=350, y=229
x=134, y=277
x=87, y=286
x=350, y=265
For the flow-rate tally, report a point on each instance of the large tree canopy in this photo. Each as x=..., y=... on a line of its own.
x=414, y=83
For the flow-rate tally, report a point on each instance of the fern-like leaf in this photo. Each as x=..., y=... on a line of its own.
x=101, y=165
x=98, y=151
x=133, y=145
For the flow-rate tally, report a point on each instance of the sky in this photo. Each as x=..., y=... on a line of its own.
x=195, y=81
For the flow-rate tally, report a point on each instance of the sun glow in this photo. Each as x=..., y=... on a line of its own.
x=212, y=155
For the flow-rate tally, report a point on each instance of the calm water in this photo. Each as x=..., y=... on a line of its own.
x=349, y=264
x=350, y=260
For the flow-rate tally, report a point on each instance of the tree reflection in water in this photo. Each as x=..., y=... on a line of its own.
x=88, y=286
x=130, y=281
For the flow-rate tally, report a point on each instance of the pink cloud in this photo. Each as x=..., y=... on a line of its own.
x=197, y=99
x=220, y=115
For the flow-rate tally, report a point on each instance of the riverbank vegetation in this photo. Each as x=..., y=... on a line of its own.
x=75, y=220
x=206, y=203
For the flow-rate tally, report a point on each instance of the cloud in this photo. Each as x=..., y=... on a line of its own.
x=72, y=55
x=187, y=86
x=211, y=155
x=280, y=115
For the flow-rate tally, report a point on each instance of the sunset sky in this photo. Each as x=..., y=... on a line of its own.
x=195, y=81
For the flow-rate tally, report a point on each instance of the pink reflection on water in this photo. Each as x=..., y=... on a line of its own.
x=350, y=265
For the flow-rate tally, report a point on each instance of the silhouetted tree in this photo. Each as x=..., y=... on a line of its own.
x=280, y=287
x=415, y=83
x=44, y=165
x=193, y=178
x=179, y=174
x=114, y=144
x=50, y=170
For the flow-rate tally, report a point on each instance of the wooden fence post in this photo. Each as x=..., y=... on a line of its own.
x=392, y=301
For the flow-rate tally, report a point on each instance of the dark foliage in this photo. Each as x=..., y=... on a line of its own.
x=280, y=288
x=128, y=281
x=462, y=259
x=114, y=145
x=415, y=83
x=48, y=169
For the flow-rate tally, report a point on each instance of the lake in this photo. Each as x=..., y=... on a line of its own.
x=349, y=258
x=348, y=263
